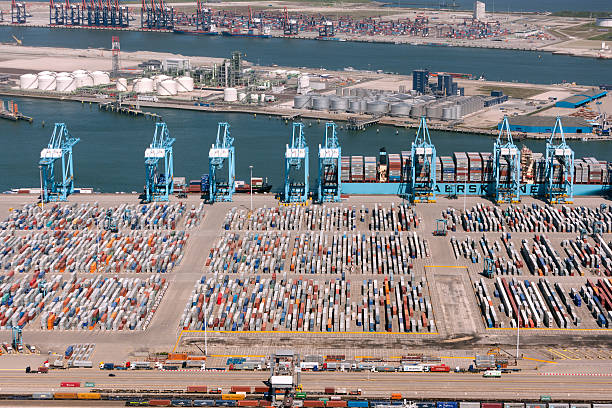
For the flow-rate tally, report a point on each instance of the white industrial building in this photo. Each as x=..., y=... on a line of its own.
x=479, y=10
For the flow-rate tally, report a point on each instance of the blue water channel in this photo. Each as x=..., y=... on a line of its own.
x=110, y=155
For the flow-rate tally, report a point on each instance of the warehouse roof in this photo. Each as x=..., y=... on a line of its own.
x=548, y=121
x=575, y=101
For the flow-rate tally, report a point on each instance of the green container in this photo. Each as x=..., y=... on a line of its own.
x=300, y=395
x=90, y=384
x=545, y=398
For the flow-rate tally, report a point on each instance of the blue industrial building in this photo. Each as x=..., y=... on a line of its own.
x=576, y=101
x=545, y=124
x=420, y=80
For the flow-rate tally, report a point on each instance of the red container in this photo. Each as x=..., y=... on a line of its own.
x=248, y=403
x=70, y=384
x=491, y=405
x=197, y=388
x=160, y=403
x=313, y=404
x=336, y=404
x=240, y=388
x=261, y=389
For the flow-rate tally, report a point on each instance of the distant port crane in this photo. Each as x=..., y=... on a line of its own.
x=296, y=159
x=158, y=184
x=507, y=167
x=221, y=154
x=203, y=17
x=559, y=168
x=156, y=15
x=57, y=187
x=18, y=12
x=329, y=166
x=422, y=186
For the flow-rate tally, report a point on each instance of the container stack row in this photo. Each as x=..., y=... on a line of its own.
x=357, y=169
x=527, y=304
x=92, y=216
x=532, y=218
x=271, y=304
x=103, y=304
x=598, y=299
x=23, y=298
x=394, y=217
x=316, y=253
x=92, y=251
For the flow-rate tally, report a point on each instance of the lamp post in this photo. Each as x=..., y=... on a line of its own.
x=42, y=197
x=251, y=184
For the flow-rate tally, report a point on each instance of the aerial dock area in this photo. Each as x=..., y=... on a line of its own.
x=9, y=111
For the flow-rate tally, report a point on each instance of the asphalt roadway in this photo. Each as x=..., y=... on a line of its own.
x=411, y=385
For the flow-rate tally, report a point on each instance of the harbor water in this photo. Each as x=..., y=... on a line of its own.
x=110, y=155
x=494, y=64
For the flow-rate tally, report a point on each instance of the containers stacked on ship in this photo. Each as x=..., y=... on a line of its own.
x=507, y=169
x=422, y=186
x=475, y=166
x=487, y=167
x=345, y=169
x=559, y=185
x=356, y=169
x=394, y=168
x=383, y=163
x=330, y=166
x=406, y=156
x=370, y=169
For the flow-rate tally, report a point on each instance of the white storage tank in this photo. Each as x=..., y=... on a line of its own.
x=79, y=72
x=303, y=81
x=301, y=101
x=46, y=83
x=230, y=95
x=122, y=85
x=241, y=96
x=167, y=88
x=143, y=85
x=262, y=97
x=83, y=79
x=185, y=84
x=100, y=78
x=64, y=83
x=158, y=79
x=28, y=81
x=46, y=73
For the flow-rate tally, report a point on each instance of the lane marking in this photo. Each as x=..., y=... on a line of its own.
x=580, y=374
x=537, y=359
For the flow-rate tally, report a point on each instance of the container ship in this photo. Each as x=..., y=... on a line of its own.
x=259, y=185
x=468, y=173
x=248, y=32
x=196, y=32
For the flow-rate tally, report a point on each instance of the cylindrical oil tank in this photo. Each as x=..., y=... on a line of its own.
x=122, y=85
x=65, y=83
x=100, y=78
x=28, y=81
x=230, y=95
x=363, y=104
x=320, y=102
x=79, y=72
x=46, y=83
x=355, y=106
x=185, y=84
x=157, y=79
x=447, y=113
x=338, y=104
x=375, y=107
x=301, y=101
x=46, y=73
x=143, y=85
x=457, y=114
x=83, y=79
x=167, y=88
x=241, y=96
x=418, y=110
x=400, y=109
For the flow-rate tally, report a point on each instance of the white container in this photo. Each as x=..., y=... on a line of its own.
x=28, y=81
x=46, y=83
x=167, y=88
x=144, y=85
x=100, y=78
x=185, y=84
x=122, y=85
x=230, y=95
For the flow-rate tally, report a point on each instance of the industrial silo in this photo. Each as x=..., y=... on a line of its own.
x=320, y=103
x=184, y=84
x=355, y=106
x=301, y=101
x=338, y=104
x=377, y=107
x=167, y=88
x=28, y=81
x=100, y=78
x=400, y=109
x=143, y=85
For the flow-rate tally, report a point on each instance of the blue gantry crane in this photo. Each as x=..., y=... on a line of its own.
x=559, y=183
x=57, y=187
x=422, y=167
x=296, y=158
x=221, y=153
x=506, y=167
x=158, y=182
x=329, y=166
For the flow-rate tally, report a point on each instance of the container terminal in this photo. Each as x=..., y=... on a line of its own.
x=219, y=290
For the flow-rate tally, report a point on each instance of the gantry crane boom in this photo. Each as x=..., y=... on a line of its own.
x=57, y=187
x=221, y=154
x=559, y=183
x=329, y=166
x=158, y=185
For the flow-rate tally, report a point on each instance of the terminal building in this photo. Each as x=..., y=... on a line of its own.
x=576, y=101
x=545, y=124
